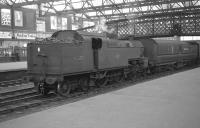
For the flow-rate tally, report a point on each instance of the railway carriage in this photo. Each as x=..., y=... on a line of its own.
x=196, y=43
x=169, y=54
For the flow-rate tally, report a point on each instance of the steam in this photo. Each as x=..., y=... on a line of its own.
x=102, y=27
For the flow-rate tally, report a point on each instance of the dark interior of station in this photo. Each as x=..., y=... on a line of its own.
x=24, y=21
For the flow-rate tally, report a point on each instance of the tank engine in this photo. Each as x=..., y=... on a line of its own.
x=68, y=60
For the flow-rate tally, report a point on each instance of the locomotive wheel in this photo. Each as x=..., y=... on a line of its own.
x=119, y=78
x=84, y=84
x=132, y=77
x=64, y=88
x=101, y=82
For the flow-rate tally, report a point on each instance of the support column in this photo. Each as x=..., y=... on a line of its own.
x=38, y=11
x=12, y=21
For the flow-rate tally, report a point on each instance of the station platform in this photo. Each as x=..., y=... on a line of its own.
x=168, y=102
x=4, y=67
x=12, y=70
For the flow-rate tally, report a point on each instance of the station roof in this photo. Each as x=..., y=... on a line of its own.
x=92, y=10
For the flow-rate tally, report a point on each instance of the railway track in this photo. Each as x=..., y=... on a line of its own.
x=11, y=82
x=21, y=99
x=26, y=98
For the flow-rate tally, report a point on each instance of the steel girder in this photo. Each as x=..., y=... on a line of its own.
x=117, y=9
x=149, y=18
x=185, y=23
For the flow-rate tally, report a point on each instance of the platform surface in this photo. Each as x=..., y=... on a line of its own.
x=168, y=102
x=13, y=66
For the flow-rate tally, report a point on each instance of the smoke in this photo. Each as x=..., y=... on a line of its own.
x=102, y=27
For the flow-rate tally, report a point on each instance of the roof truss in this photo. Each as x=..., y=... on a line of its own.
x=109, y=9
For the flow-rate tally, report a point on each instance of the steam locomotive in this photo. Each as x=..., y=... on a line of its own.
x=70, y=60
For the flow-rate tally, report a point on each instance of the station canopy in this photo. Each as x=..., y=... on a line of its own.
x=93, y=10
